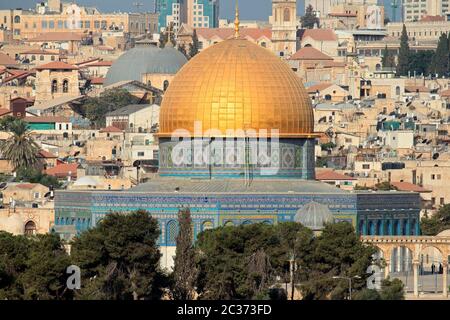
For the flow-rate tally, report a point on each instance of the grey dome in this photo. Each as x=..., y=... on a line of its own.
x=145, y=60
x=314, y=215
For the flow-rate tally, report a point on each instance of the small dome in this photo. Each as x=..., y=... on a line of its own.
x=12, y=224
x=314, y=215
x=144, y=60
x=86, y=181
x=445, y=233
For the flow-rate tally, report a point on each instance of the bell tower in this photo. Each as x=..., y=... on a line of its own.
x=284, y=27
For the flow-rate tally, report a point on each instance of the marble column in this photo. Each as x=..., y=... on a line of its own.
x=444, y=280
x=416, y=278
x=387, y=269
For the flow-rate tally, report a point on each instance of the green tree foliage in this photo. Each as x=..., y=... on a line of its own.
x=95, y=108
x=440, y=63
x=392, y=290
x=36, y=176
x=309, y=20
x=338, y=251
x=194, y=46
x=388, y=59
x=119, y=258
x=367, y=294
x=420, y=62
x=45, y=275
x=437, y=223
x=20, y=148
x=404, y=54
x=384, y=186
x=242, y=262
x=328, y=146
x=185, y=270
x=5, y=122
x=33, y=268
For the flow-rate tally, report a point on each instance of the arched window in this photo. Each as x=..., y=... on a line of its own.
x=54, y=86
x=287, y=15
x=66, y=86
x=378, y=67
x=30, y=228
x=17, y=19
x=33, y=57
x=172, y=231
x=397, y=91
x=41, y=58
x=52, y=58
x=166, y=85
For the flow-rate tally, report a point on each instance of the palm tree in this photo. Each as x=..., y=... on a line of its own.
x=20, y=148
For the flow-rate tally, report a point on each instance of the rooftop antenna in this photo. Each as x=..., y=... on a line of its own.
x=138, y=5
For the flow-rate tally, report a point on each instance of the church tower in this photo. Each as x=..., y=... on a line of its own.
x=284, y=27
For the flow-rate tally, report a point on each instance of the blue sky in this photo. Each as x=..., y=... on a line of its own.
x=250, y=9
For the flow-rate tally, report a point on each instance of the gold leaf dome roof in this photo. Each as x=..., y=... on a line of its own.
x=237, y=85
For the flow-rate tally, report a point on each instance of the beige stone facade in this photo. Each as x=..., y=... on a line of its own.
x=284, y=27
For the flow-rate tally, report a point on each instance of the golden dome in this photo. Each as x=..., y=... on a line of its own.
x=237, y=85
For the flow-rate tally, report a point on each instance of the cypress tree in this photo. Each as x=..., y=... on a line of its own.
x=404, y=54
x=185, y=270
x=387, y=60
x=194, y=46
x=439, y=63
x=309, y=19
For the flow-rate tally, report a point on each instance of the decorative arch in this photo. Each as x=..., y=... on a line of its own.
x=65, y=86
x=171, y=232
x=54, y=86
x=30, y=228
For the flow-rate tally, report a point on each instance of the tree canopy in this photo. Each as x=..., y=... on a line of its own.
x=120, y=258
x=309, y=20
x=96, y=108
x=20, y=148
x=437, y=223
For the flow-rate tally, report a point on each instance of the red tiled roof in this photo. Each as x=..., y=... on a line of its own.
x=47, y=155
x=98, y=80
x=58, y=36
x=416, y=89
x=432, y=18
x=110, y=129
x=310, y=53
x=37, y=51
x=320, y=34
x=332, y=175
x=445, y=93
x=18, y=76
x=406, y=186
x=45, y=119
x=318, y=87
x=4, y=111
x=63, y=170
x=99, y=64
x=57, y=65
x=6, y=60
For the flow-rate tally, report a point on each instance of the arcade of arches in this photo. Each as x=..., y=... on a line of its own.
x=402, y=253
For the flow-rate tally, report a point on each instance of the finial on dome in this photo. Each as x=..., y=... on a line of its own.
x=236, y=22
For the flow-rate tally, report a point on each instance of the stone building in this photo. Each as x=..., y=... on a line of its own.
x=284, y=27
x=56, y=80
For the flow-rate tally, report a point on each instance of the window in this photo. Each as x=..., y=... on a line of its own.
x=97, y=24
x=438, y=177
x=17, y=19
x=442, y=201
x=54, y=86
x=44, y=24
x=287, y=15
x=87, y=24
x=166, y=85
x=141, y=154
x=51, y=24
x=433, y=177
x=52, y=58
x=433, y=201
x=366, y=166
x=60, y=24
x=30, y=228
x=66, y=86
x=41, y=58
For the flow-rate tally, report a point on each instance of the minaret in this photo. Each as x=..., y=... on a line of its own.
x=284, y=27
